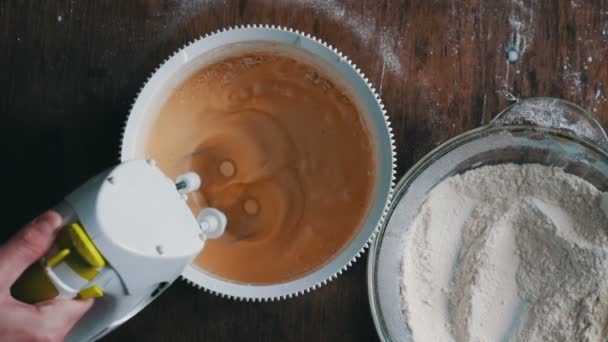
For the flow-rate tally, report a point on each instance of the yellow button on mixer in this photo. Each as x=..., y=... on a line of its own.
x=91, y=292
x=84, y=246
x=57, y=258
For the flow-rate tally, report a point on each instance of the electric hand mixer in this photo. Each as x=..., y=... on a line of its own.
x=128, y=234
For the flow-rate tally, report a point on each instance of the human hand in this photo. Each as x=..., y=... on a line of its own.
x=45, y=321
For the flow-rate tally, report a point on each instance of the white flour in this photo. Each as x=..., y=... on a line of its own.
x=508, y=253
x=364, y=27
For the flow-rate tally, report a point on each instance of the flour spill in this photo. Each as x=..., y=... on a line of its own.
x=508, y=95
x=521, y=21
x=572, y=77
x=365, y=28
x=189, y=8
x=600, y=98
x=521, y=24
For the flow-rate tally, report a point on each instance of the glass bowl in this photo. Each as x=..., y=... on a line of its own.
x=544, y=131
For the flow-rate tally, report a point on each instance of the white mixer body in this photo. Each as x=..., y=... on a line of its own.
x=143, y=228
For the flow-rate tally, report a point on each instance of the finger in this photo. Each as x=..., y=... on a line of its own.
x=61, y=314
x=29, y=245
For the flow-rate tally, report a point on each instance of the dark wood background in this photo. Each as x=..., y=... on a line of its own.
x=71, y=69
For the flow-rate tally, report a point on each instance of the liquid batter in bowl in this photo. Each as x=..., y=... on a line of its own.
x=283, y=152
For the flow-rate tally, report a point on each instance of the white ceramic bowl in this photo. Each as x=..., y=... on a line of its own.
x=230, y=42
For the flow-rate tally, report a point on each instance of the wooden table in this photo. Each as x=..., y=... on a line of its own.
x=71, y=69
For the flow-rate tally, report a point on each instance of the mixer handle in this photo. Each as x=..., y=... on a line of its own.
x=554, y=114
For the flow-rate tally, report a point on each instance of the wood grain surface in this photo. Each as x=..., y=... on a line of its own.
x=71, y=69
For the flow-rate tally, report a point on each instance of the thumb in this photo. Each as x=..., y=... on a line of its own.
x=29, y=245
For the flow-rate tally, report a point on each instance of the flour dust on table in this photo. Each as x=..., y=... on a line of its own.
x=508, y=253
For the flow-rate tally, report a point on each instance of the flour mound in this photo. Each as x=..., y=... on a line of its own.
x=508, y=253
